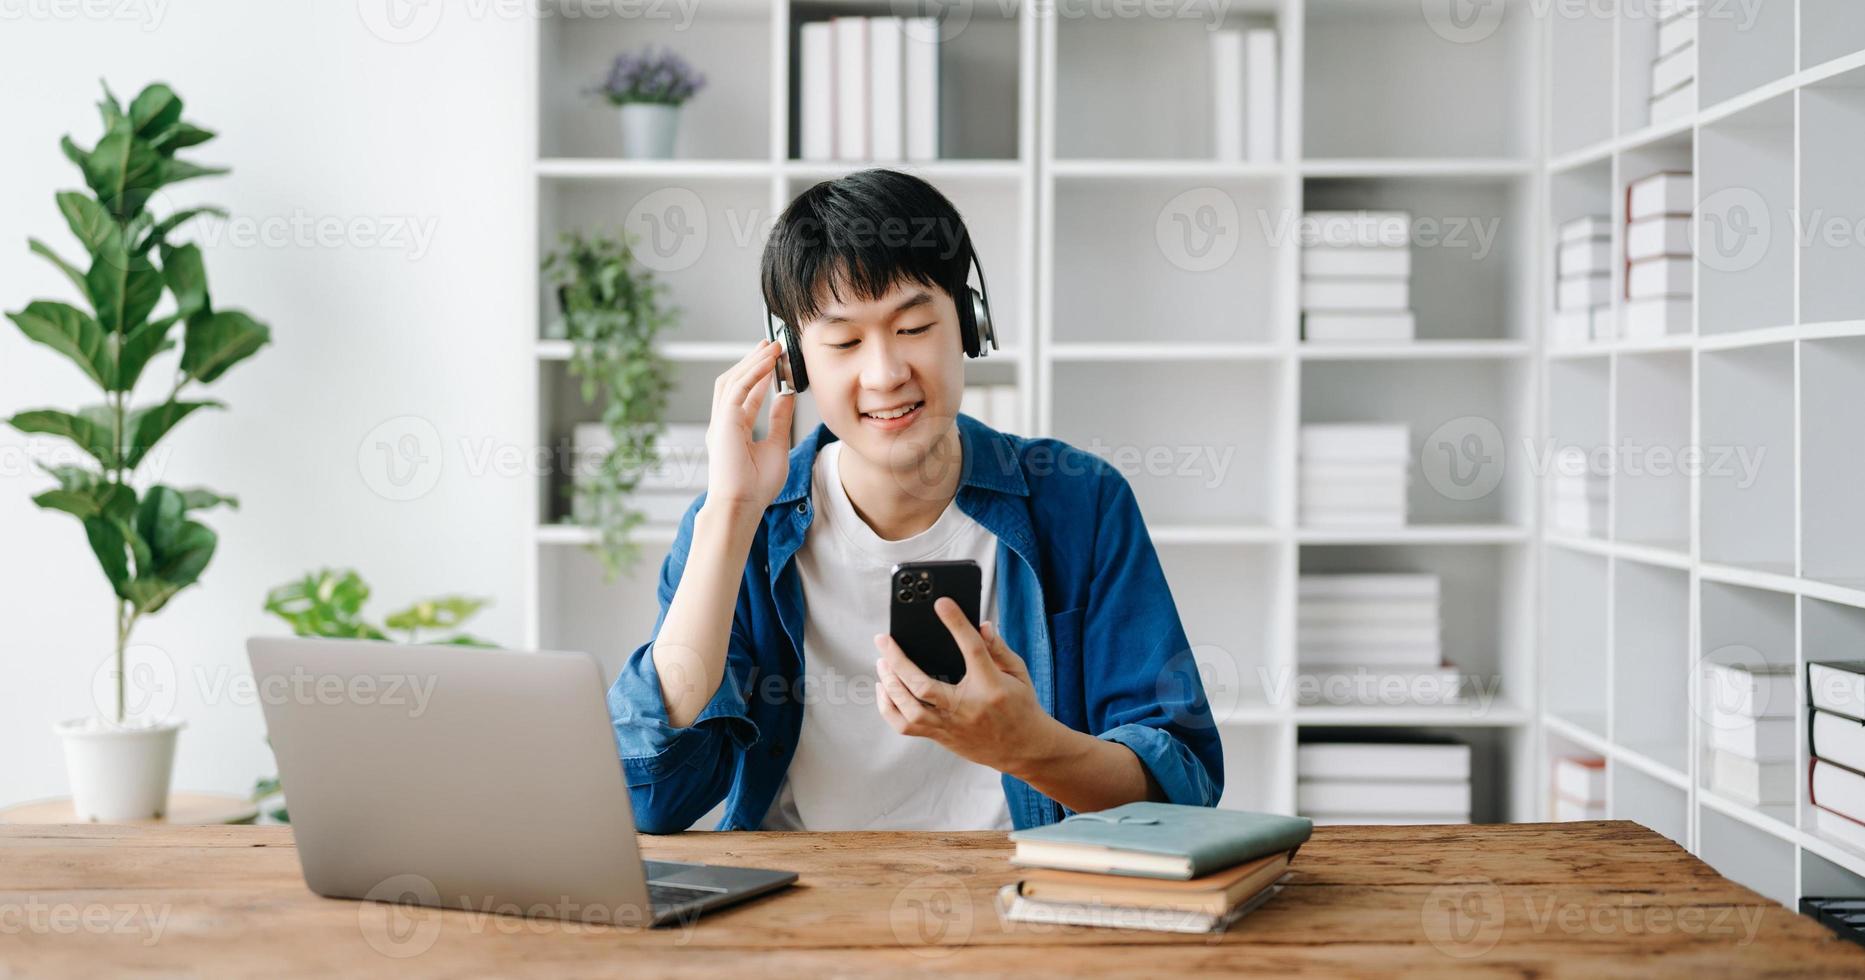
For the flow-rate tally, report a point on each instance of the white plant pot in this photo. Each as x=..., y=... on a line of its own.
x=119, y=772
x=648, y=130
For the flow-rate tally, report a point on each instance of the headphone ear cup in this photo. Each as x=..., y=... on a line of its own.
x=981, y=339
x=793, y=356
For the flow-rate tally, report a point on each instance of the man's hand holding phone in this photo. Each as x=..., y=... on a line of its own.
x=991, y=716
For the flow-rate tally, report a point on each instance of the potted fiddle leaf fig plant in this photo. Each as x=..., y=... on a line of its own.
x=649, y=88
x=143, y=533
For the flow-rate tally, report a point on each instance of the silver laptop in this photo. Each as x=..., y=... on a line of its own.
x=468, y=778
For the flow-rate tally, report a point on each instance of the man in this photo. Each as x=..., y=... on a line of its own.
x=770, y=682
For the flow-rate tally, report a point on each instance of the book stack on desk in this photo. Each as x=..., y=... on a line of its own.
x=1658, y=266
x=1836, y=697
x=1750, y=707
x=1356, y=277
x=1355, y=475
x=664, y=490
x=1372, y=640
x=1398, y=780
x=1583, y=282
x=1158, y=866
x=1579, y=788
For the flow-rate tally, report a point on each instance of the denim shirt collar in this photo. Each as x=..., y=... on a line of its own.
x=990, y=461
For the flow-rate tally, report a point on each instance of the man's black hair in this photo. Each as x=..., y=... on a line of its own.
x=865, y=233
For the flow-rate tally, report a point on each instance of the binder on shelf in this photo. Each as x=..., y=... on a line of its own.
x=1227, y=119
x=817, y=97
x=851, y=87
x=921, y=88
x=1263, y=116
x=886, y=127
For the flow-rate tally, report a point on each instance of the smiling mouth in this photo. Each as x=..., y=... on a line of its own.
x=894, y=414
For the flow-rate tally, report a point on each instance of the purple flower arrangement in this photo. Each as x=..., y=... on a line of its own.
x=664, y=78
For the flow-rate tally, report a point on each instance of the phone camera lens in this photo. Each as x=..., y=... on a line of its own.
x=906, y=595
x=924, y=587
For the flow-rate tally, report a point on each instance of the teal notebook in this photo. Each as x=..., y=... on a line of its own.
x=1158, y=840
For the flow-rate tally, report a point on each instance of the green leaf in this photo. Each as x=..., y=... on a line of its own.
x=201, y=498
x=217, y=341
x=179, y=549
x=326, y=603
x=73, y=153
x=142, y=343
x=71, y=272
x=155, y=110
x=107, y=543
x=158, y=235
x=445, y=612
x=89, y=221
x=86, y=494
x=124, y=288
x=71, y=332
x=109, y=107
x=187, y=279
x=148, y=425
x=123, y=171
x=92, y=429
x=182, y=136
x=176, y=171
x=159, y=519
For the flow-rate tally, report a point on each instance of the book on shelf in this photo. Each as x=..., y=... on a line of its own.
x=1738, y=688
x=1355, y=295
x=1664, y=235
x=1583, y=292
x=920, y=88
x=1667, y=192
x=1262, y=63
x=1574, y=328
x=1401, y=611
x=1355, y=442
x=868, y=89
x=1838, y=790
x=851, y=87
x=1421, y=658
x=1410, y=758
x=1838, y=739
x=1839, y=827
x=1334, y=636
x=1323, y=327
x=1664, y=276
x=1588, y=228
x=1763, y=739
x=1449, y=799
x=886, y=100
x=1586, y=257
x=1837, y=686
x=1652, y=318
x=1357, y=262
x=816, y=90
x=1157, y=840
x=1385, y=495
x=1675, y=104
x=1355, y=229
x=1674, y=68
x=1393, y=471
x=1227, y=94
x=1581, y=778
x=1676, y=32
x=1750, y=781
x=1364, y=585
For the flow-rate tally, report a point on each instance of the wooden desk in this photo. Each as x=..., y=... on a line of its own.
x=1593, y=899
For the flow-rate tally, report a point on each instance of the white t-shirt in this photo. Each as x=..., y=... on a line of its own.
x=851, y=770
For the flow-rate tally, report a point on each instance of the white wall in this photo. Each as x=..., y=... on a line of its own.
x=322, y=121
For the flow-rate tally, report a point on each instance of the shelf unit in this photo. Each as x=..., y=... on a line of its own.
x=1754, y=551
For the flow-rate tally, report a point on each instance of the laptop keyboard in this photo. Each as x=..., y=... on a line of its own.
x=663, y=896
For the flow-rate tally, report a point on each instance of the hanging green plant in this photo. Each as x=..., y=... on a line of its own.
x=613, y=311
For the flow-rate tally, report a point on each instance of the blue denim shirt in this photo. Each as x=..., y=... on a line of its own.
x=1081, y=597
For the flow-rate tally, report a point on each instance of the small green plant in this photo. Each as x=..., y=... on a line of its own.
x=147, y=544
x=329, y=603
x=613, y=311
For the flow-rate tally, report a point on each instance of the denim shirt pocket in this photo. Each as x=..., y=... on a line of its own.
x=1067, y=657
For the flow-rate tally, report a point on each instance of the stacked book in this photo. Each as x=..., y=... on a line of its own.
x=995, y=405
x=1578, y=492
x=1749, y=713
x=1243, y=83
x=1356, y=276
x=1657, y=255
x=1579, y=787
x=1393, y=781
x=1583, y=286
x=1836, y=693
x=1159, y=866
x=1354, y=475
x=868, y=88
x=1372, y=639
x=1674, y=68
x=663, y=491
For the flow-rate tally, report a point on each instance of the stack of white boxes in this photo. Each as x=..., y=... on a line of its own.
x=1674, y=66
x=1372, y=640
x=1578, y=504
x=1356, y=277
x=1354, y=475
x=1579, y=787
x=664, y=491
x=1583, y=291
x=1419, y=780
x=1750, y=731
x=1658, y=256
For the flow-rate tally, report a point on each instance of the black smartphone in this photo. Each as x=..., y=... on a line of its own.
x=915, y=625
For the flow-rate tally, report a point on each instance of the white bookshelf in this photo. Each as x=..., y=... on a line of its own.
x=1693, y=563
x=1064, y=169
